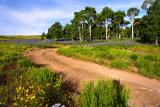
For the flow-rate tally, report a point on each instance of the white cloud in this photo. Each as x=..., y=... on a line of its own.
x=38, y=19
x=32, y=21
x=36, y=15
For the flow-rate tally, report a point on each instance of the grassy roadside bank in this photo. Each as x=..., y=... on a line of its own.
x=142, y=59
x=24, y=84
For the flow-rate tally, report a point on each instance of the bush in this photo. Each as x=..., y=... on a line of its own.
x=104, y=94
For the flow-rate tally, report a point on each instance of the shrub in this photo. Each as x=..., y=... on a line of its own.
x=104, y=94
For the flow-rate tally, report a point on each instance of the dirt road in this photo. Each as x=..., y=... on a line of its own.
x=145, y=92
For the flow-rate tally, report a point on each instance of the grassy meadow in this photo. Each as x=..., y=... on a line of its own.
x=141, y=59
x=23, y=83
x=15, y=37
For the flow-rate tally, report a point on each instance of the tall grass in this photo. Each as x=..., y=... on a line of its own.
x=24, y=84
x=40, y=75
x=149, y=66
x=142, y=59
x=24, y=63
x=104, y=94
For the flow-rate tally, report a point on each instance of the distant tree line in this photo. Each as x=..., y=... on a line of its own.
x=88, y=25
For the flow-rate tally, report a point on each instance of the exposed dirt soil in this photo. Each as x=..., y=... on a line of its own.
x=144, y=92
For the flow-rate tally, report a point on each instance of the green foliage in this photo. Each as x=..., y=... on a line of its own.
x=132, y=12
x=98, y=33
x=55, y=31
x=106, y=13
x=148, y=26
x=43, y=36
x=88, y=25
x=154, y=7
x=104, y=94
x=67, y=32
x=147, y=3
x=118, y=19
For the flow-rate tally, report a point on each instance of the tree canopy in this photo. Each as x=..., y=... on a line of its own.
x=87, y=24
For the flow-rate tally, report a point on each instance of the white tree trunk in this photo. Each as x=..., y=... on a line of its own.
x=82, y=37
x=132, y=31
x=79, y=30
x=119, y=34
x=156, y=42
x=106, y=31
x=90, y=32
x=122, y=33
x=132, y=23
x=109, y=32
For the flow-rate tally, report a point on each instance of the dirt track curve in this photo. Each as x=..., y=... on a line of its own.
x=145, y=92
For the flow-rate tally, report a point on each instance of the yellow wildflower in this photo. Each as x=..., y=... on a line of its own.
x=26, y=100
x=21, y=99
x=15, y=104
x=27, y=90
x=33, y=97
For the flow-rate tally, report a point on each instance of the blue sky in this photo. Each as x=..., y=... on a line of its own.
x=27, y=17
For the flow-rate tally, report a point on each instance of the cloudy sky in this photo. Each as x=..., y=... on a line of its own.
x=35, y=16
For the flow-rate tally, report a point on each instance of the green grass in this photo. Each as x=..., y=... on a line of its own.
x=145, y=58
x=40, y=75
x=104, y=94
x=14, y=37
x=21, y=80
